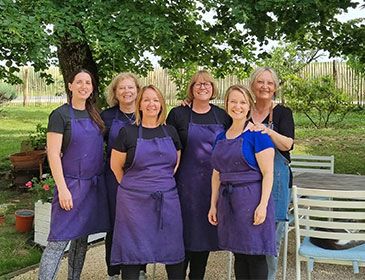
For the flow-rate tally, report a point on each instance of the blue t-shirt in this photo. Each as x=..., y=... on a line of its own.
x=253, y=142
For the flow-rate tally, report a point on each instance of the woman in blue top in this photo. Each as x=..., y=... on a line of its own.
x=241, y=204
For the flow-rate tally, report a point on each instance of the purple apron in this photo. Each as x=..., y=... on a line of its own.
x=148, y=224
x=194, y=186
x=239, y=195
x=82, y=164
x=111, y=182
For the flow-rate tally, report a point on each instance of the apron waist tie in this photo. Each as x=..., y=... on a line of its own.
x=226, y=193
x=159, y=197
x=228, y=190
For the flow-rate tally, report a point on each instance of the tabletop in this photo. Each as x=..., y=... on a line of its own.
x=329, y=181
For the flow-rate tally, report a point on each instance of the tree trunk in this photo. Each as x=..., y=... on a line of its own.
x=73, y=55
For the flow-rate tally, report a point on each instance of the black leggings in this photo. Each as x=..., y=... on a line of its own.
x=197, y=262
x=174, y=271
x=114, y=269
x=250, y=266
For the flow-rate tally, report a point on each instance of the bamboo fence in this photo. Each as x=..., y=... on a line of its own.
x=37, y=91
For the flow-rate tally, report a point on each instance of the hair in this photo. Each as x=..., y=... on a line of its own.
x=258, y=71
x=111, y=98
x=90, y=101
x=163, y=112
x=205, y=75
x=245, y=92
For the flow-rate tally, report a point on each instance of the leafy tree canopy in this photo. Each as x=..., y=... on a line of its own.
x=112, y=36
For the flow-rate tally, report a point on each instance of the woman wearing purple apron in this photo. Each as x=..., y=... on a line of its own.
x=241, y=203
x=148, y=223
x=276, y=121
x=121, y=97
x=198, y=127
x=75, y=154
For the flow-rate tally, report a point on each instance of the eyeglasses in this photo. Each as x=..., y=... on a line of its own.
x=206, y=85
x=127, y=88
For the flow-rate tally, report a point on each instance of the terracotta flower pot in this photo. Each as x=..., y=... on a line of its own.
x=24, y=220
x=28, y=160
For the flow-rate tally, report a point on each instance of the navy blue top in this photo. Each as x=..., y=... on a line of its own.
x=253, y=143
x=108, y=116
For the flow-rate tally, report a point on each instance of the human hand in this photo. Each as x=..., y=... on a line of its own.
x=212, y=216
x=260, y=127
x=65, y=199
x=185, y=102
x=259, y=215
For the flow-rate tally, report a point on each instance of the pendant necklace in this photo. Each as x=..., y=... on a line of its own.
x=131, y=118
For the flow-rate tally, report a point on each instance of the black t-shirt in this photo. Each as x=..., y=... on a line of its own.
x=108, y=116
x=126, y=141
x=179, y=117
x=60, y=122
x=283, y=123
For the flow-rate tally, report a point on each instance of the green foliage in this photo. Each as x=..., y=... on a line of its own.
x=38, y=138
x=3, y=209
x=7, y=92
x=181, y=77
x=318, y=98
x=116, y=35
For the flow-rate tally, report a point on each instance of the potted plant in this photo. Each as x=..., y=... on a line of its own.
x=30, y=161
x=43, y=189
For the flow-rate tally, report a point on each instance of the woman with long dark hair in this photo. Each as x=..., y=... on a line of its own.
x=75, y=155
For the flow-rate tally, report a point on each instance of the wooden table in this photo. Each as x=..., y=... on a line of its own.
x=329, y=181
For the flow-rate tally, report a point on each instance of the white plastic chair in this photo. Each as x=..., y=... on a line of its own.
x=300, y=164
x=328, y=214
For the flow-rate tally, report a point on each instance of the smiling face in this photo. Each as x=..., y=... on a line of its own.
x=81, y=87
x=237, y=105
x=126, y=91
x=150, y=104
x=202, y=89
x=264, y=86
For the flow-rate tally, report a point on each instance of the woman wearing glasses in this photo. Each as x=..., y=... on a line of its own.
x=198, y=126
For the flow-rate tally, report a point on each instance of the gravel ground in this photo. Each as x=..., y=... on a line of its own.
x=95, y=267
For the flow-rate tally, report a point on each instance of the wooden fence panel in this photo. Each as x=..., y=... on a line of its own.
x=39, y=92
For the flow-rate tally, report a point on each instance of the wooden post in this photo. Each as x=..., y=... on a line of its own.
x=25, y=86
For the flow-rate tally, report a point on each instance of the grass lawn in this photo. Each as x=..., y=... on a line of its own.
x=346, y=141
x=16, y=124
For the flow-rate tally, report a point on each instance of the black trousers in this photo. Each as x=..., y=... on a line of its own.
x=114, y=269
x=197, y=262
x=174, y=271
x=250, y=266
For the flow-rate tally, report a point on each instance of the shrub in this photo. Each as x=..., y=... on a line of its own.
x=38, y=138
x=7, y=92
x=318, y=98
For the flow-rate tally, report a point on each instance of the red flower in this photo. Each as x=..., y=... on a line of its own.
x=29, y=184
x=46, y=187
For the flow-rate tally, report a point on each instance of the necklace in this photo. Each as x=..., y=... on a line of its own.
x=131, y=118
